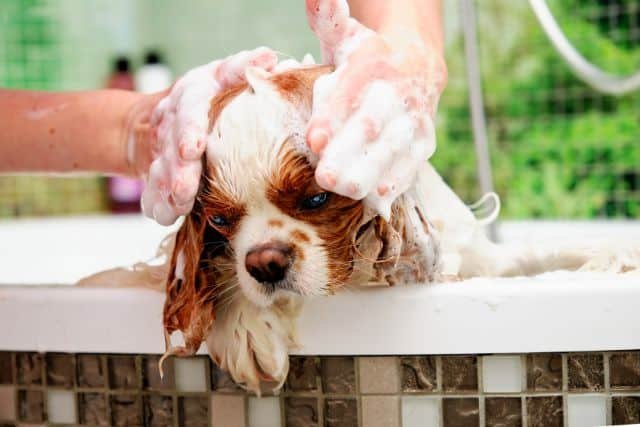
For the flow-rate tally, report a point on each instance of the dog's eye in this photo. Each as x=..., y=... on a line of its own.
x=315, y=201
x=219, y=220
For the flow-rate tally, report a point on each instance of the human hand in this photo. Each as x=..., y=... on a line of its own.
x=372, y=120
x=176, y=132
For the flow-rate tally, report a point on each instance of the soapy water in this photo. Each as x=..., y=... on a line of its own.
x=372, y=120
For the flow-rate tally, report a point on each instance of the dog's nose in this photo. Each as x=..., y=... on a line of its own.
x=268, y=263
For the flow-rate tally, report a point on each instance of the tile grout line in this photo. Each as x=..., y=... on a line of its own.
x=480, y=379
x=607, y=388
x=440, y=388
x=565, y=389
x=524, y=363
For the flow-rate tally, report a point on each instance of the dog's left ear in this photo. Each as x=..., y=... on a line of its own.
x=191, y=287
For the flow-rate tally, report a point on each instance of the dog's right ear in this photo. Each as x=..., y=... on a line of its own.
x=190, y=290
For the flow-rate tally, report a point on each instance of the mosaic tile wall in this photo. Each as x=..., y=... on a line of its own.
x=531, y=390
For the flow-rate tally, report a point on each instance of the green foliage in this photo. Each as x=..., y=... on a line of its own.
x=559, y=149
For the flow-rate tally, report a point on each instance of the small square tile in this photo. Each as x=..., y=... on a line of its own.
x=92, y=409
x=625, y=409
x=6, y=367
x=303, y=374
x=544, y=411
x=123, y=373
x=457, y=412
x=586, y=371
x=419, y=411
x=61, y=406
x=301, y=412
x=221, y=381
x=158, y=410
x=29, y=367
x=338, y=375
x=60, y=370
x=585, y=410
x=228, y=411
x=264, y=412
x=193, y=411
x=90, y=371
x=459, y=374
x=151, y=373
x=379, y=375
x=544, y=372
x=7, y=403
x=503, y=411
x=31, y=406
x=624, y=370
x=502, y=374
x=418, y=374
x=380, y=411
x=340, y=412
x=126, y=410
x=191, y=374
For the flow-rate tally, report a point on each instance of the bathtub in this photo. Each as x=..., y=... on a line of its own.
x=560, y=349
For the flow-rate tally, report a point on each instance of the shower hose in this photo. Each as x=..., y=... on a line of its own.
x=585, y=70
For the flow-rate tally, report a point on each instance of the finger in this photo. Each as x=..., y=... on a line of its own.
x=327, y=17
x=192, y=122
x=185, y=182
x=231, y=70
x=337, y=95
x=164, y=214
x=363, y=153
x=368, y=116
x=397, y=179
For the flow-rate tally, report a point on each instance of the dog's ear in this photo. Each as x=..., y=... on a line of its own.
x=191, y=286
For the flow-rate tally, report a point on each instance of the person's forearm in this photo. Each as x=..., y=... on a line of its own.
x=65, y=132
x=421, y=16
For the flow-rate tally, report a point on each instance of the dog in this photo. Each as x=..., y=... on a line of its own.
x=262, y=235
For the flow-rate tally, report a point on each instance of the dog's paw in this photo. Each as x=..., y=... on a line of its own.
x=252, y=343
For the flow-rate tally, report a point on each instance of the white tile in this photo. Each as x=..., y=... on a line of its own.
x=191, y=374
x=264, y=412
x=586, y=410
x=419, y=411
x=502, y=374
x=61, y=406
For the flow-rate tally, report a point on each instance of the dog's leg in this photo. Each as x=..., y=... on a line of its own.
x=252, y=343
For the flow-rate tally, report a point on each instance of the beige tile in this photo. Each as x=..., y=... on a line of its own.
x=61, y=406
x=264, y=412
x=7, y=403
x=228, y=411
x=379, y=375
x=380, y=411
x=191, y=374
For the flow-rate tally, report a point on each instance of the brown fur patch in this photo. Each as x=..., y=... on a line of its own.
x=300, y=236
x=335, y=222
x=275, y=223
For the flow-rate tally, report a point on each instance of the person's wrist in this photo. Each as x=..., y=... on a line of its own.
x=137, y=135
x=418, y=51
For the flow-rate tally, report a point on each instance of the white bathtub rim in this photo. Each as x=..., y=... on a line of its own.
x=553, y=313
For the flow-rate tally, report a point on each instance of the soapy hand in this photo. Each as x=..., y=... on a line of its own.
x=181, y=122
x=372, y=120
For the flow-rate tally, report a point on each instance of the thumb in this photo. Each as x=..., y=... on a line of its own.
x=331, y=23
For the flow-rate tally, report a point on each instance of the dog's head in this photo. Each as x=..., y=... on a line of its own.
x=261, y=224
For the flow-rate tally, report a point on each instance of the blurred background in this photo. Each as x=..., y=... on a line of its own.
x=558, y=148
